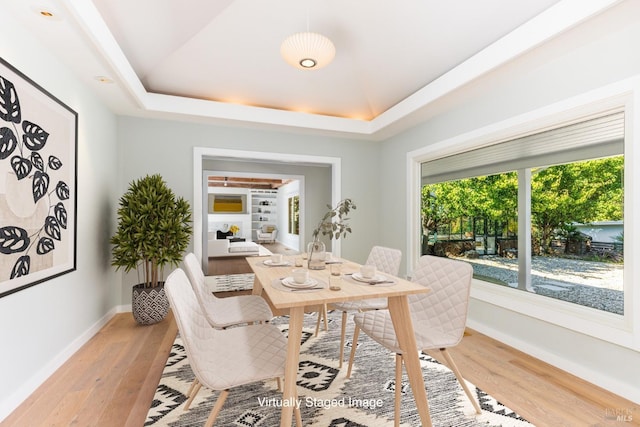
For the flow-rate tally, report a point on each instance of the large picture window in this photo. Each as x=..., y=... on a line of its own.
x=541, y=213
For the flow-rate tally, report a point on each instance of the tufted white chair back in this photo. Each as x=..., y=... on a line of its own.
x=439, y=317
x=196, y=277
x=441, y=313
x=192, y=323
x=223, y=358
x=386, y=260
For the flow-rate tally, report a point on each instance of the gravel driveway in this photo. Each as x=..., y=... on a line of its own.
x=589, y=283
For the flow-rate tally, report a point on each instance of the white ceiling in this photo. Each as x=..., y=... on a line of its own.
x=219, y=60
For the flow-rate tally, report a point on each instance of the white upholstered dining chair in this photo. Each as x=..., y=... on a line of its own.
x=224, y=358
x=229, y=311
x=387, y=261
x=222, y=312
x=439, y=317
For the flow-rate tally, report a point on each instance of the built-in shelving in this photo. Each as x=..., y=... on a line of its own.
x=263, y=208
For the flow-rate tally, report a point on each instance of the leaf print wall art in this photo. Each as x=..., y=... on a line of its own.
x=38, y=180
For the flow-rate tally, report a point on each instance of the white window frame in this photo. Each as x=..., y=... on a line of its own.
x=622, y=330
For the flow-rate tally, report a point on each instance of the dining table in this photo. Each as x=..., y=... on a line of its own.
x=271, y=280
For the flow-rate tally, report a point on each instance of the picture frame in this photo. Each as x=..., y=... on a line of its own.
x=38, y=183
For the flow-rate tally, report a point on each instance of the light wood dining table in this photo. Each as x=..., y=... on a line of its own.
x=268, y=284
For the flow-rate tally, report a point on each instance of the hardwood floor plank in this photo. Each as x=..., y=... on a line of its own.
x=144, y=392
x=107, y=382
x=541, y=393
x=228, y=265
x=68, y=409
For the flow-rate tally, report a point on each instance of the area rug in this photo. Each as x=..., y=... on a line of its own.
x=230, y=282
x=328, y=398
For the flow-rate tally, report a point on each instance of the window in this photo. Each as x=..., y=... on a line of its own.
x=474, y=218
x=294, y=215
x=529, y=213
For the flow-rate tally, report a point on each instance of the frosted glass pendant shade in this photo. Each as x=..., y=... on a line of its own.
x=307, y=51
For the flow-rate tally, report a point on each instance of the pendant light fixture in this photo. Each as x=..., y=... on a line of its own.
x=307, y=50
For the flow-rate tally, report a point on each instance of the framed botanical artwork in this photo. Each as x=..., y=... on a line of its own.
x=38, y=181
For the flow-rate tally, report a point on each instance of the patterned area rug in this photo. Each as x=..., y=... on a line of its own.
x=328, y=399
x=230, y=282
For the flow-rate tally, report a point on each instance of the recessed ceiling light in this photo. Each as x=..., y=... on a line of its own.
x=47, y=13
x=104, y=79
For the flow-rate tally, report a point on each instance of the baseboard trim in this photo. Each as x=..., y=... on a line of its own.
x=123, y=308
x=36, y=380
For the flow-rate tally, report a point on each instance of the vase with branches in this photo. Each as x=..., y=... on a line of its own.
x=335, y=224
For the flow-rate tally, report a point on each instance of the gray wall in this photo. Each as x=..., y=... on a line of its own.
x=602, y=51
x=166, y=147
x=43, y=325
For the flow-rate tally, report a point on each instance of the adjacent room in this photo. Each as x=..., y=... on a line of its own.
x=255, y=215
x=319, y=213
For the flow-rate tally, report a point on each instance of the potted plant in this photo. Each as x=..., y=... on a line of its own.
x=333, y=224
x=154, y=228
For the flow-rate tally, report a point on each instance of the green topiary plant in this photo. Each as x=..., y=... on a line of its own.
x=154, y=228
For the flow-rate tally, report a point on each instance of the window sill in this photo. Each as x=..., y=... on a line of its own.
x=599, y=324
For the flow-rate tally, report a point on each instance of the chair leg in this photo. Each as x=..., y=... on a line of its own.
x=343, y=331
x=398, y=391
x=297, y=414
x=354, y=345
x=216, y=408
x=458, y=375
x=323, y=313
x=195, y=388
x=318, y=322
x=193, y=385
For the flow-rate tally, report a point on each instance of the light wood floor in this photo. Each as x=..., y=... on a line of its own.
x=112, y=379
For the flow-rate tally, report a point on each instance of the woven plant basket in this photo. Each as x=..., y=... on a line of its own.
x=149, y=305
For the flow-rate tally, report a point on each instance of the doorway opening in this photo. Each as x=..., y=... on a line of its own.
x=319, y=176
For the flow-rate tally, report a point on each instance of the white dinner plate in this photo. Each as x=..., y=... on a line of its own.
x=290, y=283
x=276, y=264
x=360, y=278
